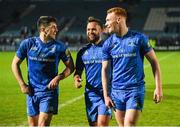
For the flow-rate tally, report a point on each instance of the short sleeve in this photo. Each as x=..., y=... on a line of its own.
x=66, y=55
x=22, y=50
x=145, y=44
x=106, y=51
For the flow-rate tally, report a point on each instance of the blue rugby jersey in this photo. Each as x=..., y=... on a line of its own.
x=90, y=58
x=43, y=60
x=127, y=55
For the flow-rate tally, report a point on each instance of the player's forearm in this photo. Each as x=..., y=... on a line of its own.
x=67, y=71
x=17, y=73
x=158, y=78
x=157, y=74
x=105, y=82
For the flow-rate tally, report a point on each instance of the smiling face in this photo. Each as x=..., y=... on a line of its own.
x=112, y=23
x=51, y=30
x=93, y=32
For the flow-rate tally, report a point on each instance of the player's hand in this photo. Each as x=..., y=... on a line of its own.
x=158, y=95
x=109, y=103
x=25, y=89
x=54, y=83
x=77, y=81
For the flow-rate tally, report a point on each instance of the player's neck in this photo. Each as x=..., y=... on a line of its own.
x=97, y=42
x=123, y=31
x=44, y=39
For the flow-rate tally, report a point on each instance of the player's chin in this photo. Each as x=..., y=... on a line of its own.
x=53, y=36
x=91, y=39
x=111, y=31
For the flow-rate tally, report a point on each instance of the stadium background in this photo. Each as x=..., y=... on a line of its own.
x=159, y=19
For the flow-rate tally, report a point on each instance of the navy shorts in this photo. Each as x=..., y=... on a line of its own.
x=128, y=99
x=42, y=103
x=95, y=106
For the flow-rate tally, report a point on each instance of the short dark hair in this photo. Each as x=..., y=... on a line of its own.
x=93, y=19
x=45, y=20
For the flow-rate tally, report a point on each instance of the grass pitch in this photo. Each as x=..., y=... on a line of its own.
x=72, y=108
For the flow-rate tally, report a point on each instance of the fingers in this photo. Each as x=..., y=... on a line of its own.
x=52, y=85
x=157, y=98
x=113, y=106
x=109, y=103
x=26, y=89
x=78, y=83
x=112, y=103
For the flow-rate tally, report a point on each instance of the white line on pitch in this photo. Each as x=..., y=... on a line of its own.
x=160, y=59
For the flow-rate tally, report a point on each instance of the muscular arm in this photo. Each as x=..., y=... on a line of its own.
x=151, y=56
x=105, y=81
x=66, y=72
x=18, y=75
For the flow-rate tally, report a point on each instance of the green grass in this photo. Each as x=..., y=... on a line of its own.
x=13, y=106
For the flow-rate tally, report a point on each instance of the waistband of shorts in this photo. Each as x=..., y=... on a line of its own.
x=141, y=87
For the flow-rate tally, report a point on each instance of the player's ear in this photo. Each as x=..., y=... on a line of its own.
x=42, y=29
x=118, y=19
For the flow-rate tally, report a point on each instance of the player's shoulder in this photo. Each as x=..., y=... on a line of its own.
x=110, y=40
x=84, y=48
x=60, y=44
x=137, y=34
x=28, y=41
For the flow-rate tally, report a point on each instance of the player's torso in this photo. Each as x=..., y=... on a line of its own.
x=92, y=56
x=126, y=60
x=92, y=59
x=43, y=62
x=42, y=57
x=124, y=50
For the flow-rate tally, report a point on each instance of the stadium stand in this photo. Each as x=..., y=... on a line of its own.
x=160, y=19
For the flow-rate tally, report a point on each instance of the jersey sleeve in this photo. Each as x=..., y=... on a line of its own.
x=145, y=44
x=22, y=50
x=66, y=55
x=105, y=51
x=79, y=61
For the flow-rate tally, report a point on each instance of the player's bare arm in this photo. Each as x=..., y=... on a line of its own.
x=66, y=72
x=105, y=70
x=158, y=93
x=18, y=75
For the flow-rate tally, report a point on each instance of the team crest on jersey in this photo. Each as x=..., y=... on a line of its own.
x=53, y=49
x=131, y=44
x=86, y=52
x=34, y=48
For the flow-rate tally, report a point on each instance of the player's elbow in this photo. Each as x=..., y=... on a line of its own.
x=71, y=69
x=14, y=64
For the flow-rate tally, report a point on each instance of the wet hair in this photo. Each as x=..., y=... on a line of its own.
x=45, y=20
x=118, y=11
x=93, y=19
